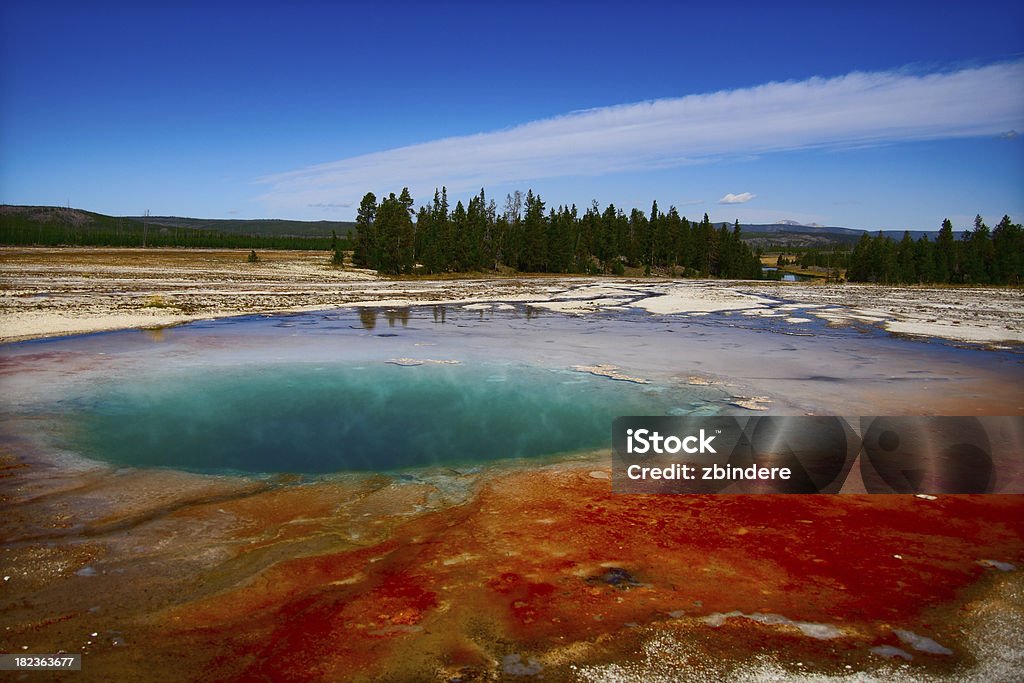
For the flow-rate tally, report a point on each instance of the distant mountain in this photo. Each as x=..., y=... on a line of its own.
x=915, y=234
x=799, y=228
x=789, y=233
x=806, y=225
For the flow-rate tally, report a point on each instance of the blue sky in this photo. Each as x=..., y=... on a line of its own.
x=873, y=115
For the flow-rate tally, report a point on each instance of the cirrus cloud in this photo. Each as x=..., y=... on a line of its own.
x=860, y=108
x=741, y=198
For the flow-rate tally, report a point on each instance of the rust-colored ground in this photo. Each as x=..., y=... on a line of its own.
x=529, y=567
x=550, y=565
x=370, y=580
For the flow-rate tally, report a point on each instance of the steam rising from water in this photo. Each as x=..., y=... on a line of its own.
x=327, y=418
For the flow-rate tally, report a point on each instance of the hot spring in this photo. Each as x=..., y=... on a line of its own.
x=320, y=392
x=322, y=418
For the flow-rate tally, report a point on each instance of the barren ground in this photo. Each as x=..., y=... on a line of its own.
x=49, y=292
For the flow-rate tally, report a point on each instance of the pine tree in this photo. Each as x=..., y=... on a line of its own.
x=512, y=229
x=979, y=254
x=366, y=251
x=443, y=232
x=906, y=260
x=639, y=253
x=859, y=269
x=395, y=234
x=924, y=260
x=588, y=248
x=561, y=238
x=684, y=243
x=1008, y=245
x=387, y=234
x=535, y=229
x=705, y=252
x=476, y=223
x=460, y=238
x=609, y=230
x=492, y=243
x=426, y=240
x=671, y=225
x=945, y=253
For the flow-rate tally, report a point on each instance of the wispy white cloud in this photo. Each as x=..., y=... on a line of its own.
x=851, y=110
x=741, y=198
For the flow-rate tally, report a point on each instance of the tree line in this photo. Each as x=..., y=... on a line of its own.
x=980, y=256
x=106, y=231
x=394, y=238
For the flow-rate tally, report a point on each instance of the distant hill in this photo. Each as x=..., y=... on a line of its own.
x=55, y=214
x=56, y=225
x=793, y=234
x=797, y=228
x=264, y=227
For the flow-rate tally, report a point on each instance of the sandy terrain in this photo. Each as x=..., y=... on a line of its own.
x=50, y=292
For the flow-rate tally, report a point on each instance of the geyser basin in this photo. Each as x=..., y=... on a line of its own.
x=320, y=418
